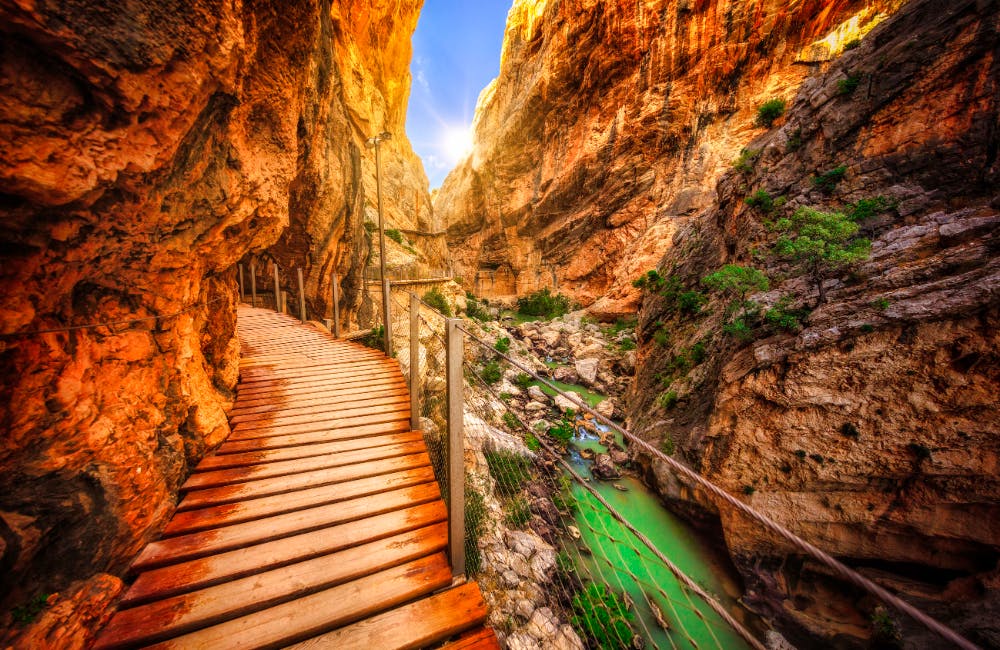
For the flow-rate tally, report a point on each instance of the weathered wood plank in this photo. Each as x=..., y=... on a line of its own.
x=194, y=545
x=416, y=625
x=224, y=567
x=189, y=521
x=246, y=459
x=163, y=619
x=291, y=440
x=482, y=639
x=280, y=468
x=318, y=613
x=311, y=414
x=286, y=484
x=322, y=424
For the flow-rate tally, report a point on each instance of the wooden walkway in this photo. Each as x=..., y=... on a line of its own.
x=316, y=524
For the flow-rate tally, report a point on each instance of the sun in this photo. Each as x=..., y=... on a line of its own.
x=457, y=142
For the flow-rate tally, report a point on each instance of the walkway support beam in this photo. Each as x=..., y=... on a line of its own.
x=336, y=305
x=277, y=290
x=253, y=285
x=456, y=448
x=386, y=317
x=302, y=296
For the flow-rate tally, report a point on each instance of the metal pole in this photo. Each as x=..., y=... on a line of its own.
x=456, y=449
x=386, y=318
x=253, y=285
x=302, y=297
x=336, y=305
x=414, y=362
x=277, y=290
x=284, y=302
x=243, y=293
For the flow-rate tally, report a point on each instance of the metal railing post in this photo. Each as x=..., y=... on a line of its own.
x=336, y=305
x=302, y=297
x=386, y=317
x=456, y=449
x=243, y=293
x=253, y=285
x=414, y=362
x=277, y=290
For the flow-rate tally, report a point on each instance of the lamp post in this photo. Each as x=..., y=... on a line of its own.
x=373, y=143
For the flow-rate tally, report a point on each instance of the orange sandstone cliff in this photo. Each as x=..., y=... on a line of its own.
x=148, y=147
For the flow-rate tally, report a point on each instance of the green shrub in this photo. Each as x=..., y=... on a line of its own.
x=510, y=420
x=690, y=302
x=475, y=519
x=565, y=429
x=736, y=282
x=782, y=318
x=817, y=457
x=749, y=489
x=510, y=471
x=863, y=209
x=651, y=280
x=375, y=338
x=849, y=430
x=370, y=227
x=626, y=344
x=523, y=380
x=849, y=85
x=668, y=400
x=769, y=111
x=667, y=445
x=29, y=611
x=602, y=617
x=852, y=44
x=885, y=631
x=518, y=513
x=543, y=303
x=867, y=328
x=828, y=180
x=394, y=235
x=922, y=452
x=563, y=498
x=662, y=336
x=491, y=372
x=881, y=304
x=760, y=200
x=475, y=309
x=745, y=162
x=436, y=299
x=502, y=345
x=531, y=441
x=794, y=141
x=564, y=564
x=801, y=453
x=739, y=329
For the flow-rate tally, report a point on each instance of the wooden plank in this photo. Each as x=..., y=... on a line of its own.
x=270, y=386
x=320, y=612
x=281, y=468
x=231, y=565
x=291, y=440
x=482, y=639
x=268, y=399
x=324, y=423
x=285, y=484
x=333, y=371
x=211, y=463
x=194, y=545
x=286, y=404
x=313, y=414
x=189, y=521
x=163, y=619
x=416, y=625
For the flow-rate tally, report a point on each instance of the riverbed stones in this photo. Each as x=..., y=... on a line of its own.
x=606, y=408
x=565, y=404
x=587, y=370
x=537, y=394
x=604, y=468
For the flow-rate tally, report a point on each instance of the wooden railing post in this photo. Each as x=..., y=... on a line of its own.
x=277, y=290
x=456, y=448
x=253, y=285
x=414, y=362
x=243, y=293
x=302, y=297
x=336, y=305
x=386, y=317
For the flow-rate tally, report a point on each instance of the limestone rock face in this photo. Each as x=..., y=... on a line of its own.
x=147, y=147
x=874, y=430
x=609, y=122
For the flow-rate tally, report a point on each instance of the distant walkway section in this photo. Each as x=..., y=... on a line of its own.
x=317, y=524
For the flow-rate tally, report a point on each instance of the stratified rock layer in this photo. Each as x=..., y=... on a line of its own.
x=611, y=120
x=147, y=147
x=875, y=430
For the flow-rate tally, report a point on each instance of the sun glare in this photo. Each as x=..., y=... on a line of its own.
x=457, y=143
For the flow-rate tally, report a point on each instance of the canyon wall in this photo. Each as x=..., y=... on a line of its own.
x=148, y=147
x=611, y=120
x=872, y=427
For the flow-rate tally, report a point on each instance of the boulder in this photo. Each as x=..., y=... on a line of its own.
x=564, y=403
x=604, y=468
x=587, y=370
x=537, y=394
x=606, y=408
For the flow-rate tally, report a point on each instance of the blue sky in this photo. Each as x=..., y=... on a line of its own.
x=456, y=52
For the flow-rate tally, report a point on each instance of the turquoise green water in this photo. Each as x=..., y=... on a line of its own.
x=591, y=398
x=620, y=560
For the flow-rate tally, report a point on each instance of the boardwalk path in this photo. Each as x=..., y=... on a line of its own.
x=317, y=522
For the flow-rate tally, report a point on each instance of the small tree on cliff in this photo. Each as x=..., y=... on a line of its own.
x=821, y=244
x=736, y=282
